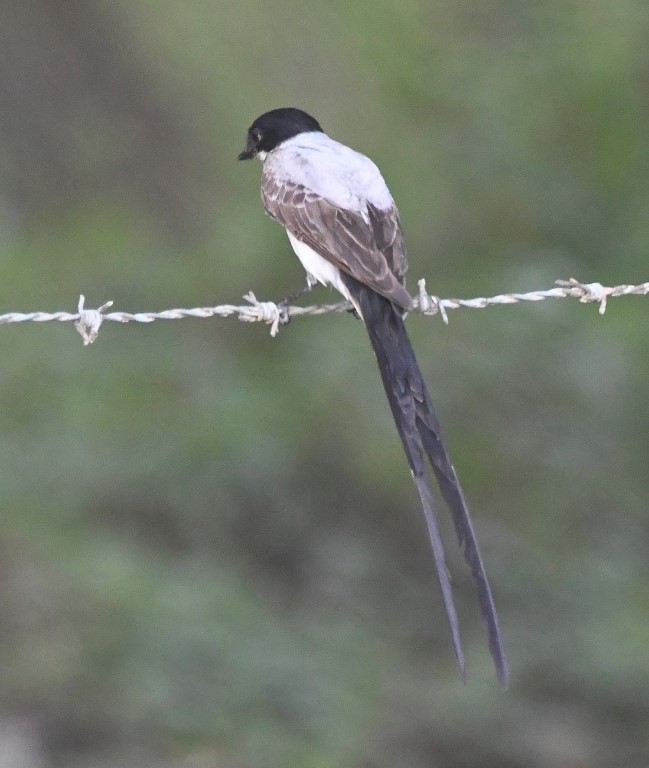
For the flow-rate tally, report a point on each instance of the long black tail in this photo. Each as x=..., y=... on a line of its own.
x=420, y=434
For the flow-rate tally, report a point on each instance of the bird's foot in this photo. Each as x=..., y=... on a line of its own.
x=283, y=307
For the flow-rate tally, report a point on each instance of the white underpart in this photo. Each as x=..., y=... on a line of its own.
x=317, y=268
x=341, y=175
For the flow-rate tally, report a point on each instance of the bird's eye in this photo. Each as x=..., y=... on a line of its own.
x=256, y=134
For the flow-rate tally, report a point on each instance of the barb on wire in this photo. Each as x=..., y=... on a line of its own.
x=89, y=321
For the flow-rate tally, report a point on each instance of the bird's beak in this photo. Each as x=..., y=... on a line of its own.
x=249, y=152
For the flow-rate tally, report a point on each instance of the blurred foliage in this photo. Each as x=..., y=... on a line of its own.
x=211, y=550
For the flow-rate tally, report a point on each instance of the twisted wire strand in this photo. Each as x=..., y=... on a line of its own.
x=89, y=321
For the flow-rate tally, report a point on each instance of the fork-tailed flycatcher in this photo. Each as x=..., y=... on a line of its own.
x=344, y=227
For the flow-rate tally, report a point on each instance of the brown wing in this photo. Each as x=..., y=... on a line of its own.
x=372, y=252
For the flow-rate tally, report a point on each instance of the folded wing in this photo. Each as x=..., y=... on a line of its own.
x=368, y=244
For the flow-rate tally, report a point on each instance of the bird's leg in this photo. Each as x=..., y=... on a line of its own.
x=354, y=313
x=284, y=303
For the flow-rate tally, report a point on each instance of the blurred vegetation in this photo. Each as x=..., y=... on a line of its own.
x=211, y=550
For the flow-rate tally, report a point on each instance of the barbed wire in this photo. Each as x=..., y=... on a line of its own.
x=89, y=321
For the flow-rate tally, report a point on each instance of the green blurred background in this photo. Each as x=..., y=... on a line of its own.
x=211, y=551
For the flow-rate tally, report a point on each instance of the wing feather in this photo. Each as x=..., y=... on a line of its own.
x=368, y=245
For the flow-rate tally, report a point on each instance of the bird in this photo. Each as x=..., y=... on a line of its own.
x=344, y=227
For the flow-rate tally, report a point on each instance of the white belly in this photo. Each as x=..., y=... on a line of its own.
x=320, y=269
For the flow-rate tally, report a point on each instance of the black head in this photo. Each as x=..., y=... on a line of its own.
x=272, y=128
